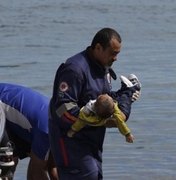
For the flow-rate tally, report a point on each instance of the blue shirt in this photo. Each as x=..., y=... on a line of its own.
x=26, y=113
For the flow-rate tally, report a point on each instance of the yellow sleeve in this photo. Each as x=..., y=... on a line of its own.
x=120, y=121
x=91, y=119
x=78, y=125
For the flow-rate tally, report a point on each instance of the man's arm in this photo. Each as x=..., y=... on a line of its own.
x=66, y=92
x=129, y=92
x=52, y=170
x=37, y=168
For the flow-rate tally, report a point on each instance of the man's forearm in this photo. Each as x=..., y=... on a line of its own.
x=37, y=168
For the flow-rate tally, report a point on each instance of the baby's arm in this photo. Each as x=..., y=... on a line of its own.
x=77, y=126
x=86, y=117
x=122, y=126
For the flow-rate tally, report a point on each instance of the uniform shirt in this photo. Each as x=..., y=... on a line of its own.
x=77, y=81
x=26, y=113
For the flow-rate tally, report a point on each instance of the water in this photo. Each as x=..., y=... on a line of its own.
x=36, y=36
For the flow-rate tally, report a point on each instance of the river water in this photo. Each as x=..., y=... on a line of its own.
x=36, y=36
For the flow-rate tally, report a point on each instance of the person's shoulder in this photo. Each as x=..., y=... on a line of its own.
x=14, y=89
x=2, y=85
x=78, y=61
x=11, y=85
x=8, y=87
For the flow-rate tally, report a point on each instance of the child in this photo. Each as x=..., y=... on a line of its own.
x=96, y=113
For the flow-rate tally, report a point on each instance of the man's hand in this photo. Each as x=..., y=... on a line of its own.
x=133, y=83
x=136, y=95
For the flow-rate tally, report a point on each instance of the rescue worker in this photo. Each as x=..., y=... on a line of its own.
x=81, y=78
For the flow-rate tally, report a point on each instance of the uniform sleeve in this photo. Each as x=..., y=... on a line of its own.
x=120, y=121
x=67, y=89
x=124, y=101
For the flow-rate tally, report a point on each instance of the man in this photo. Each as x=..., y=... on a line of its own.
x=26, y=130
x=81, y=78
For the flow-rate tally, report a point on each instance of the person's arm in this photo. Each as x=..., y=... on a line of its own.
x=37, y=168
x=77, y=126
x=120, y=120
x=66, y=92
x=122, y=126
x=52, y=170
x=127, y=94
x=86, y=117
x=81, y=120
x=111, y=122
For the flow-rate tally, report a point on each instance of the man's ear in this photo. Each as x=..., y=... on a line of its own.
x=98, y=46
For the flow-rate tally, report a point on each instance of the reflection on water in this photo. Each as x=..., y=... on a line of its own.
x=36, y=36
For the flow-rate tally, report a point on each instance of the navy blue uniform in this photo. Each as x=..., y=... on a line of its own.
x=77, y=81
x=26, y=113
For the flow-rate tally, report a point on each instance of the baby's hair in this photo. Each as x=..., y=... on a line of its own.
x=104, y=106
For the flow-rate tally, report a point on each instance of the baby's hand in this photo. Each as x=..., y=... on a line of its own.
x=70, y=133
x=129, y=138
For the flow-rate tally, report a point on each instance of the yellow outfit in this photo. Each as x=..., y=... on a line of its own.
x=93, y=120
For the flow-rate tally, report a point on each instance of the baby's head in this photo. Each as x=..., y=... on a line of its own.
x=104, y=106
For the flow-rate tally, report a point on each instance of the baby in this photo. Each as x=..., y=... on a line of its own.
x=97, y=112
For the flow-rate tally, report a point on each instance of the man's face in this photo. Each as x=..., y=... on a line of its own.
x=107, y=56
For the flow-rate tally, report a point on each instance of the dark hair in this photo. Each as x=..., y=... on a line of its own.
x=104, y=107
x=104, y=36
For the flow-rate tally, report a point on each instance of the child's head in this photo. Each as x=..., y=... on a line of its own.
x=104, y=106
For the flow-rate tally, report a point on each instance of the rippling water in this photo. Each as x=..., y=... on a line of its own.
x=36, y=36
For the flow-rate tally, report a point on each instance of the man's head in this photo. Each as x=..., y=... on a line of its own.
x=106, y=45
x=104, y=106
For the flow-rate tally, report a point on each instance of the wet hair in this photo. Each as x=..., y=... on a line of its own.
x=104, y=106
x=104, y=37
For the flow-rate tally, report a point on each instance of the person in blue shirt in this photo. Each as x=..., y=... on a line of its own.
x=26, y=130
x=83, y=77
